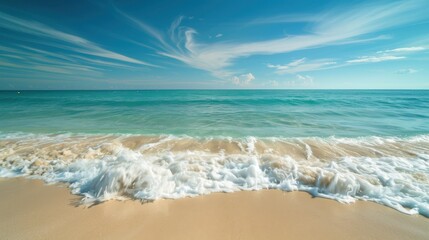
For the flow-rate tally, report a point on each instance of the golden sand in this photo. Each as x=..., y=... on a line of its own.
x=31, y=210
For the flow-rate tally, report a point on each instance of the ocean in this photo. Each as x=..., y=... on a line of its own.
x=345, y=145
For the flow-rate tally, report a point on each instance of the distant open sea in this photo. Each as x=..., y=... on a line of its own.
x=262, y=113
x=340, y=144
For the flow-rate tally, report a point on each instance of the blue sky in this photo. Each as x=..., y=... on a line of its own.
x=214, y=44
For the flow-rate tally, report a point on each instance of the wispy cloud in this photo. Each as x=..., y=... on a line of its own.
x=337, y=26
x=74, y=42
x=386, y=55
x=32, y=59
x=43, y=50
x=403, y=50
x=244, y=79
x=302, y=65
x=302, y=80
x=151, y=31
x=374, y=59
x=298, y=81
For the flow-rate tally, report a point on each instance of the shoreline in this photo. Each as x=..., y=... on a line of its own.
x=29, y=209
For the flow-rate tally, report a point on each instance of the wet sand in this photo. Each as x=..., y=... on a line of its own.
x=31, y=210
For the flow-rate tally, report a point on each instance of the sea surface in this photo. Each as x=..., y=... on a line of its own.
x=340, y=144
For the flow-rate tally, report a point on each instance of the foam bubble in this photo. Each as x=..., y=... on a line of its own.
x=390, y=171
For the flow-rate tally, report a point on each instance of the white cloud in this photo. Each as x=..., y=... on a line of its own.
x=300, y=81
x=402, y=50
x=406, y=71
x=243, y=79
x=66, y=41
x=302, y=65
x=219, y=35
x=338, y=26
x=387, y=55
x=43, y=52
x=374, y=59
x=159, y=36
x=305, y=79
x=172, y=30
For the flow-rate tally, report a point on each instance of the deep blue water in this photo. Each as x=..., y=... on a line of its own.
x=235, y=113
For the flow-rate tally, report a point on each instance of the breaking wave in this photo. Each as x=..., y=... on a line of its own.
x=391, y=171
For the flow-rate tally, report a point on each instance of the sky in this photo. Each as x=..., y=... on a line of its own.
x=61, y=44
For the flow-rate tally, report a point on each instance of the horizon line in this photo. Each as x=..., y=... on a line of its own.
x=223, y=89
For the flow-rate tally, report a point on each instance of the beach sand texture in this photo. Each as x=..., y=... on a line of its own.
x=31, y=210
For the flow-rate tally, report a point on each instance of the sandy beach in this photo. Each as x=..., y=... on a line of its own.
x=214, y=120
x=29, y=209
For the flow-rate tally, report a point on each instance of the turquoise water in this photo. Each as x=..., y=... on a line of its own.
x=147, y=145
x=235, y=113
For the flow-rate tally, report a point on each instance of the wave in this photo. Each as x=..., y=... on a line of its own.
x=392, y=171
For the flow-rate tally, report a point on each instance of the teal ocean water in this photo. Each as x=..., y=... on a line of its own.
x=345, y=145
x=261, y=113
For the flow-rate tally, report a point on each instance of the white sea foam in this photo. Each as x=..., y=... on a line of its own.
x=390, y=171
